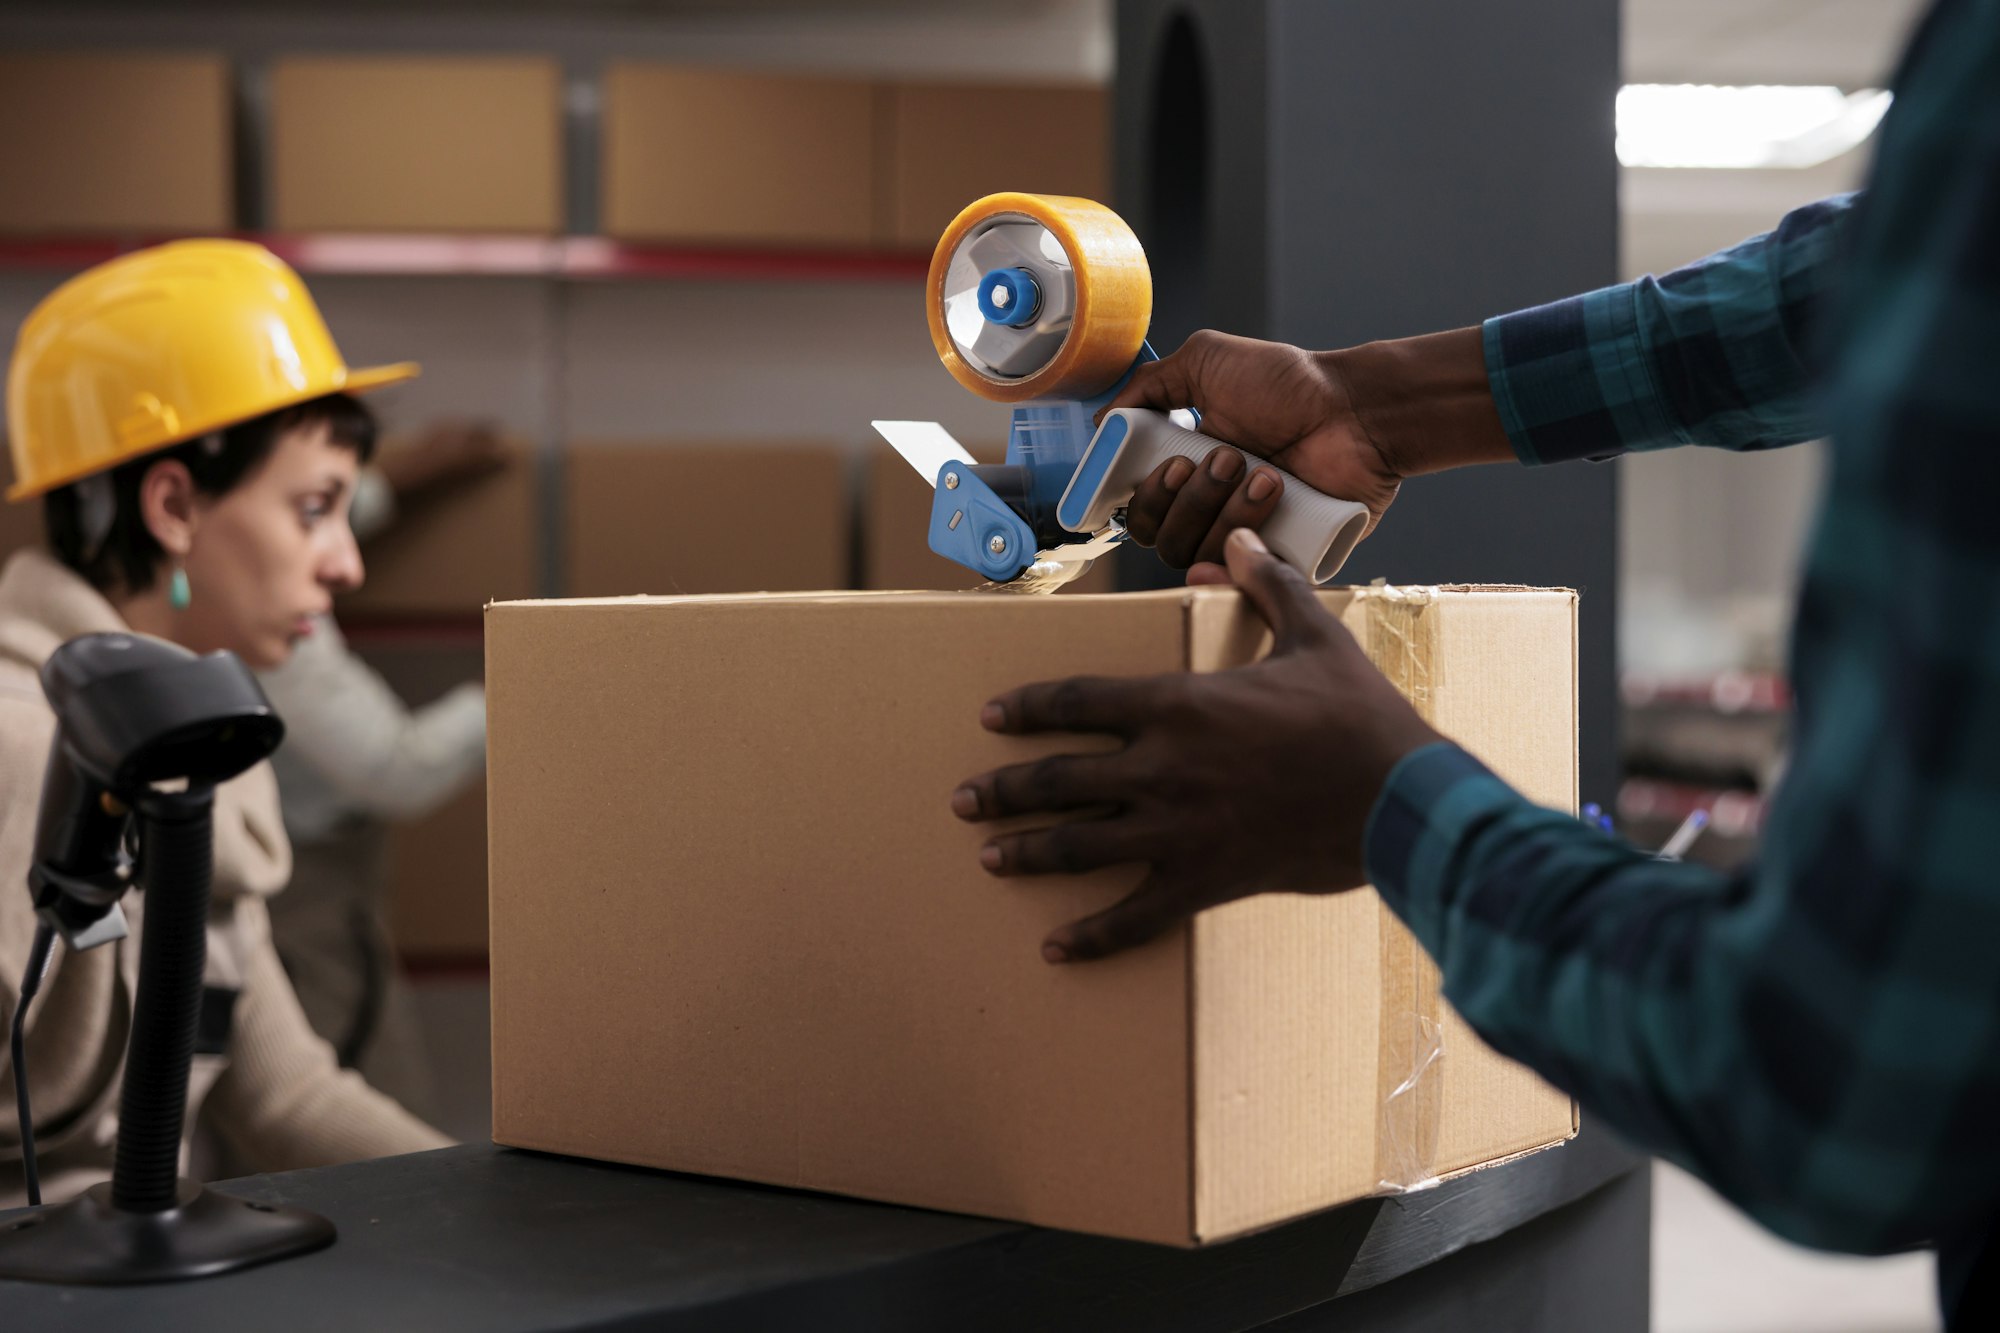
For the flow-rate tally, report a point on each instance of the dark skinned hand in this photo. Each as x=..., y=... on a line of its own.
x=1352, y=424
x=1277, y=401
x=1253, y=780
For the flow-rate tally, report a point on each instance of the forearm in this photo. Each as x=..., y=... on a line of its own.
x=1686, y=1008
x=1719, y=353
x=1426, y=403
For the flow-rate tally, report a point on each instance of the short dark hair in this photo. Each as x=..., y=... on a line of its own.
x=126, y=557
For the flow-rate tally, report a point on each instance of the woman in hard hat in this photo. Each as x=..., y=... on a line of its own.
x=193, y=435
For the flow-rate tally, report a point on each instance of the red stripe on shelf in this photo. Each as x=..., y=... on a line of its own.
x=600, y=257
x=578, y=257
x=463, y=631
x=445, y=967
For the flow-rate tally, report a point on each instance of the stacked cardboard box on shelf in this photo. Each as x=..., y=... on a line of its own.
x=416, y=143
x=948, y=144
x=701, y=156
x=143, y=144
x=103, y=143
x=679, y=516
x=690, y=155
x=724, y=156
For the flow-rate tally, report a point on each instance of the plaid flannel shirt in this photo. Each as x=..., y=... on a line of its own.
x=1818, y=1035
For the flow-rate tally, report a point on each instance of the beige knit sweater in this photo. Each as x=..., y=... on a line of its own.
x=276, y=1098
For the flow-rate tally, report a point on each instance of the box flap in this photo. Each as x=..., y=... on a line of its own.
x=1327, y=1064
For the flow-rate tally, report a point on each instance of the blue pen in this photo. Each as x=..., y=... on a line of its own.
x=1684, y=836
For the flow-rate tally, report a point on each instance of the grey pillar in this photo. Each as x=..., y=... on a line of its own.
x=1326, y=172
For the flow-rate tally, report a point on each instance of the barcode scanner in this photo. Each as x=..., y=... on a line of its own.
x=145, y=732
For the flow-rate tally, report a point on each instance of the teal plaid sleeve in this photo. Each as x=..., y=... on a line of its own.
x=1817, y=1034
x=1718, y=353
x=1718, y=1020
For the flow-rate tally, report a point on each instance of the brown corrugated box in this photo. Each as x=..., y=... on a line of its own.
x=416, y=143
x=681, y=517
x=736, y=930
x=895, y=541
x=948, y=144
x=436, y=865
x=98, y=142
x=437, y=882
x=706, y=155
x=451, y=553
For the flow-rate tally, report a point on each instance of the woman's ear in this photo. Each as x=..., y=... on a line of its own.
x=167, y=506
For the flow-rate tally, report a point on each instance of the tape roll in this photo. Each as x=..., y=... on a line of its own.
x=1110, y=308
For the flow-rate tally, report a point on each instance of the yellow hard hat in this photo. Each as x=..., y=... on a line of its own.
x=161, y=346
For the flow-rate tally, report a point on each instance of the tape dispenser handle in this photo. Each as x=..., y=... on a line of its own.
x=1310, y=531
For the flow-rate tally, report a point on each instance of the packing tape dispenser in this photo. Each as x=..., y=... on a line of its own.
x=1044, y=301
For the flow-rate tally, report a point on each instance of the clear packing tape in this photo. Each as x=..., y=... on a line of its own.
x=1401, y=639
x=1055, y=570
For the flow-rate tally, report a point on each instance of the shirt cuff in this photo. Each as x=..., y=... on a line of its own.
x=1435, y=797
x=373, y=507
x=1573, y=379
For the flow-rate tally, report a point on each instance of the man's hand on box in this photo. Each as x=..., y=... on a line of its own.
x=1252, y=780
x=1280, y=402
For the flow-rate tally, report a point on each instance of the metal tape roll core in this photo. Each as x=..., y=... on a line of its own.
x=1038, y=296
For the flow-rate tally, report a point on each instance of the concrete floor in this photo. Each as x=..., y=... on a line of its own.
x=1713, y=1270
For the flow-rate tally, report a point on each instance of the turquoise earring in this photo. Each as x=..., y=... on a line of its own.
x=178, y=593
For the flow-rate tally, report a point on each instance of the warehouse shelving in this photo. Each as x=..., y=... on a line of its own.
x=1713, y=742
x=580, y=258
x=1728, y=692
x=1733, y=813
x=381, y=629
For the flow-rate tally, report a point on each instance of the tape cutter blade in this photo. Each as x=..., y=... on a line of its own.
x=924, y=445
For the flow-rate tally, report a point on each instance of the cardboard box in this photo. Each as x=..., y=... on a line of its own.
x=951, y=143
x=102, y=143
x=895, y=540
x=437, y=883
x=721, y=156
x=451, y=553
x=736, y=930
x=416, y=143
x=675, y=517
x=436, y=866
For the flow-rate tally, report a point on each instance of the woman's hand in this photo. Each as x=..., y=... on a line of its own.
x=447, y=455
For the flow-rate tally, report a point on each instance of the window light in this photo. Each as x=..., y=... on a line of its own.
x=1702, y=125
